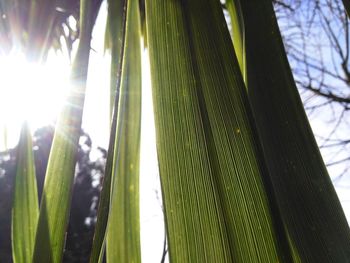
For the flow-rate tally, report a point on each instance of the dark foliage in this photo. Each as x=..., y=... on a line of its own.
x=86, y=190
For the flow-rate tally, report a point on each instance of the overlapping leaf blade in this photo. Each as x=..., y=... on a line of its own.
x=25, y=209
x=237, y=31
x=123, y=232
x=311, y=211
x=56, y=197
x=119, y=205
x=217, y=195
x=113, y=41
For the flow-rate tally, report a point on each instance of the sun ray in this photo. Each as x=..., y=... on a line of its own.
x=31, y=92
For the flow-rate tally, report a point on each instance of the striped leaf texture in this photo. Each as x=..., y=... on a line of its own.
x=25, y=209
x=115, y=36
x=57, y=191
x=237, y=32
x=217, y=195
x=119, y=204
x=311, y=211
x=113, y=42
x=123, y=232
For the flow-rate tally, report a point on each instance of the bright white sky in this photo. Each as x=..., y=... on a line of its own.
x=40, y=92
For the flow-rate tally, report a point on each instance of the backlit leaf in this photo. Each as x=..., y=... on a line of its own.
x=219, y=205
x=57, y=192
x=310, y=208
x=25, y=208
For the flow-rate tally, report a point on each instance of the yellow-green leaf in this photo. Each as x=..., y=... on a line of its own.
x=98, y=246
x=119, y=204
x=113, y=41
x=56, y=197
x=25, y=209
x=219, y=206
x=237, y=32
x=123, y=232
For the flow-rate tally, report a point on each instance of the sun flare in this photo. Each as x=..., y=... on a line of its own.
x=30, y=92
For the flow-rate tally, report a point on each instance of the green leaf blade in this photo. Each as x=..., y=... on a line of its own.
x=113, y=41
x=25, y=210
x=118, y=214
x=237, y=32
x=312, y=214
x=123, y=233
x=207, y=143
x=253, y=220
x=186, y=178
x=57, y=191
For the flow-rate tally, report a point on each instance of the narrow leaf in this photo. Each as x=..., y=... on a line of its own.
x=56, y=197
x=25, y=209
x=237, y=32
x=104, y=206
x=123, y=233
x=114, y=34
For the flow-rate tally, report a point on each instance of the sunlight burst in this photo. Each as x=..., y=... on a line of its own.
x=31, y=92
